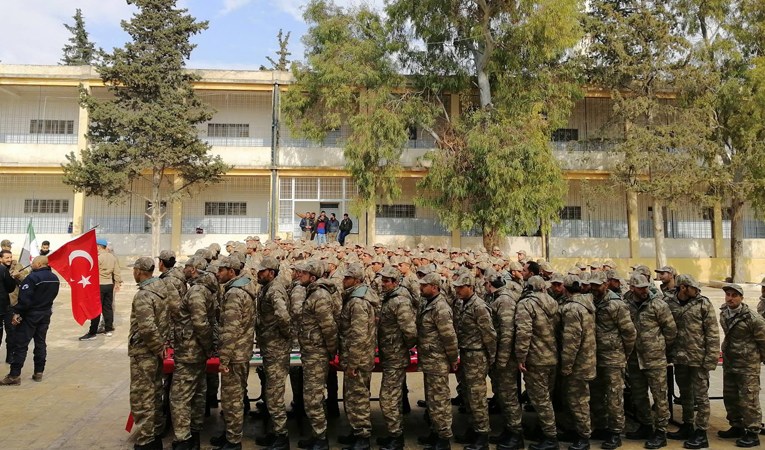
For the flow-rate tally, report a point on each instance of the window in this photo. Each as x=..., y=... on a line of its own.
x=231, y=130
x=396, y=211
x=225, y=208
x=48, y=126
x=571, y=213
x=565, y=135
x=46, y=206
x=709, y=213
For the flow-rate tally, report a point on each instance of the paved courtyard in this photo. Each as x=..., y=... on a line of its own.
x=83, y=401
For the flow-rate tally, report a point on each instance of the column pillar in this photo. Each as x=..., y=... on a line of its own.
x=717, y=230
x=78, y=207
x=633, y=224
x=175, y=231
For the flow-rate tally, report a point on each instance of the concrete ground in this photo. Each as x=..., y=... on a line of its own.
x=82, y=403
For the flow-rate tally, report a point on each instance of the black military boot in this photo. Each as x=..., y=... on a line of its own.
x=750, y=439
x=658, y=440
x=643, y=432
x=547, y=444
x=613, y=441
x=217, y=441
x=501, y=437
x=697, y=440
x=513, y=442
x=466, y=438
x=319, y=444
x=265, y=440
x=280, y=442
x=600, y=434
x=360, y=443
x=430, y=439
x=684, y=433
x=150, y=446
x=230, y=446
x=481, y=442
x=306, y=443
x=580, y=444
x=348, y=439
x=440, y=444
x=394, y=443
x=732, y=432
x=187, y=444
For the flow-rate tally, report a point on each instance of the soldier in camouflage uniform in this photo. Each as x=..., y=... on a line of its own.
x=318, y=346
x=667, y=276
x=536, y=348
x=175, y=284
x=193, y=344
x=695, y=354
x=743, y=353
x=358, y=339
x=505, y=372
x=275, y=341
x=149, y=330
x=409, y=280
x=438, y=354
x=656, y=333
x=478, y=346
x=615, y=336
x=237, y=322
x=396, y=334
x=577, y=358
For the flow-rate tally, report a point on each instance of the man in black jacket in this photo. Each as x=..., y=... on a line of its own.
x=346, y=225
x=31, y=319
x=7, y=285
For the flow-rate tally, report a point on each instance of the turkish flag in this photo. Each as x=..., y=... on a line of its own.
x=77, y=262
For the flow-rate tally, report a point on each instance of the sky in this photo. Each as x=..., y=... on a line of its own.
x=240, y=35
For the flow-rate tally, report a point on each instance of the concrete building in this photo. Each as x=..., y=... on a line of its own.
x=273, y=179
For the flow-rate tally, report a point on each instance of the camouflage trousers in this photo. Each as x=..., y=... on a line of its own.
x=187, y=398
x=607, y=399
x=656, y=380
x=356, y=402
x=438, y=398
x=232, y=387
x=146, y=398
x=505, y=385
x=539, y=383
x=693, y=383
x=315, y=369
x=474, y=366
x=741, y=395
x=391, y=397
x=576, y=393
x=277, y=369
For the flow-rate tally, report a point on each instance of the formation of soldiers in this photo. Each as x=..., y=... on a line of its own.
x=572, y=339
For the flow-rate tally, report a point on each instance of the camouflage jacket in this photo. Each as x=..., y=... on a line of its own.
x=475, y=331
x=761, y=306
x=412, y=285
x=175, y=277
x=536, y=319
x=358, y=329
x=296, y=292
x=577, y=357
x=698, y=333
x=318, y=330
x=237, y=321
x=656, y=330
x=397, y=329
x=615, y=333
x=173, y=299
x=503, y=308
x=436, y=338
x=744, y=344
x=194, y=322
x=514, y=289
x=149, y=322
x=273, y=318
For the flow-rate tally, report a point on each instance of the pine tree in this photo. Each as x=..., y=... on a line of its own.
x=80, y=51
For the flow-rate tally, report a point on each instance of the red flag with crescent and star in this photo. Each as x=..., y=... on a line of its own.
x=77, y=262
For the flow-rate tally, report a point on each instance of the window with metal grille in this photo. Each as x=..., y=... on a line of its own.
x=49, y=126
x=565, y=135
x=225, y=208
x=571, y=213
x=46, y=206
x=396, y=211
x=233, y=130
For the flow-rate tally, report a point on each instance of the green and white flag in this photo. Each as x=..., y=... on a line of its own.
x=31, y=248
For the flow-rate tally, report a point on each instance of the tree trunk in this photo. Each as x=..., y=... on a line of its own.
x=737, y=240
x=490, y=238
x=658, y=233
x=155, y=215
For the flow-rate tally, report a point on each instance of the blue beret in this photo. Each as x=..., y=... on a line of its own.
x=102, y=242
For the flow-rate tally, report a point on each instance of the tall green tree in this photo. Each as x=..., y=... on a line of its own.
x=283, y=61
x=80, y=51
x=147, y=130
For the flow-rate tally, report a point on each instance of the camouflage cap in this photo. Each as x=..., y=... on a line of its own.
x=521, y=252
x=378, y=245
x=556, y=278
x=230, y=262
x=379, y=259
x=613, y=274
x=354, y=270
x=231, y=243
x=639, y=280
x=733, y=287
x=431, y=278
x=196, y=262
x=464, y=279
x=205, y=253
x=596, y=264
x=537, y=283
x=515, y=265
x=580, y=265
x=492, y=276
x=571, y=280
x=166, y=255
x=143, y=263
x=425, y=269
x=643, y=270
x=268, y=263
x=6, y=243
x=214, y=247
x=390, y=272
x=687, y=280
x=332, y=260
x=609, y=263
x=762, y=283
x=312, y=266
x=495, y=248
x=597, y=278
x=545, y=267
x=573, y=271
x=668, y=269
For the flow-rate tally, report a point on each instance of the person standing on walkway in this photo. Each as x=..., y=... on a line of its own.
x=110, y=280
x=31, y=317
x=743, y=352
x=333, y=226
x=7, y=286
x=346, y=225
